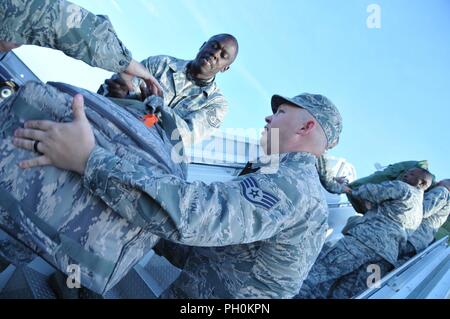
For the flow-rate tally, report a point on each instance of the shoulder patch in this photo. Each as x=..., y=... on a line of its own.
x=255, y=195
x=212, y=118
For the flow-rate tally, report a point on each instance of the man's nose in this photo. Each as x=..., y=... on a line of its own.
x=268, y=119
x=216, y=54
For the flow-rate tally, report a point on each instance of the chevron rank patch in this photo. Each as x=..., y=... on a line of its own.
x=255, y=195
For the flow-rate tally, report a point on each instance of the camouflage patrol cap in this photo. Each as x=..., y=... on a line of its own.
x=321, y=108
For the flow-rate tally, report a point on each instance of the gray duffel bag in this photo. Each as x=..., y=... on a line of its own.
x=50, y=211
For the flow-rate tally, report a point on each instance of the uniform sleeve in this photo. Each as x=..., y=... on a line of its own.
x=273, y=272
x=435, y=200
x=151, y=64
x=64, y=26
x=378, y=193
x=244, y=210
x=326, y=177
x=199, y=124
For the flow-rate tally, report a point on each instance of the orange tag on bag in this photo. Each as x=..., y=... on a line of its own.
x=150, y=120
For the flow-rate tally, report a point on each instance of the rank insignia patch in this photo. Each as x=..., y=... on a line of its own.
x=254, y=194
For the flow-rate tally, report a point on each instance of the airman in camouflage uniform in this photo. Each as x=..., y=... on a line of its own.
x=196, y=106
x=274, y=217
x=375, y=239
x=436, y=209
x=271, y=226
x=339, y=185
x=191, y=96
x=71, y=32
x=389, y=173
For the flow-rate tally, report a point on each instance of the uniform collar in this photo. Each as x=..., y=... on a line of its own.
x=293, y=157
x=299, y=157
x=180, y=66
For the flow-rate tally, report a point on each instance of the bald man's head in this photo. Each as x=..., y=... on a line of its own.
x=216, y=55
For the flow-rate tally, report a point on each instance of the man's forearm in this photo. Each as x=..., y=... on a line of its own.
x=194, y=213
x=64, y=26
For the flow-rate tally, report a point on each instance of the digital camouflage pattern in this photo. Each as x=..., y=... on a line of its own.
x=271, y=226
x=197, y=110
x=49, y=209
x=13, y=252
x=436, y=209
x=256, y=210
x=327, y=177
x=279, y=220
x=340, y=271
x=396, y=213
x=64, y=26
x=358, y=281
x=375, y=238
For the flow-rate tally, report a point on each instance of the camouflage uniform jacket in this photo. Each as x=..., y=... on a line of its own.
x=198, y=110
x=265, y=230
x=396, y=214
x=436, y=208
x=64, y=26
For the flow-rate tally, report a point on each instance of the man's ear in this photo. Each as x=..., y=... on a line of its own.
x=306, y=128
x=423, y=184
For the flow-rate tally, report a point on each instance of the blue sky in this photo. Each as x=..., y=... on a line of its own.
x=392, y=84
